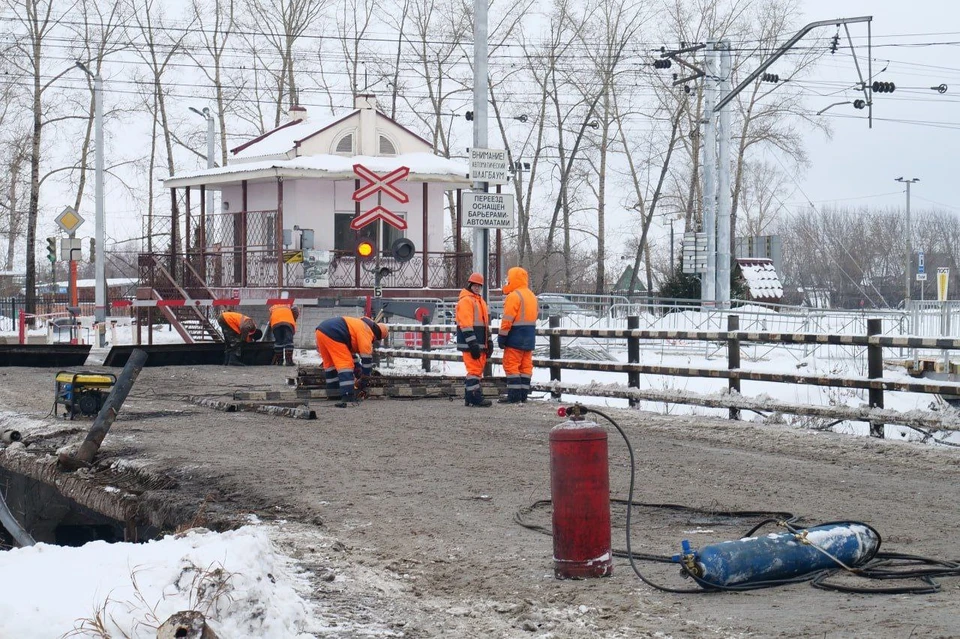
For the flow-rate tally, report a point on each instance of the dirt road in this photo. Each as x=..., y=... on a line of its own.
x=404, y=511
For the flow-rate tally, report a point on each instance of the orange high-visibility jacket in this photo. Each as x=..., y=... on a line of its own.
x=518, y=327
x=282, y=314
x=240, y=323
x=473, y=320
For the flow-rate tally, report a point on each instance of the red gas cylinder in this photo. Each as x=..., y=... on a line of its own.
x=580, y=488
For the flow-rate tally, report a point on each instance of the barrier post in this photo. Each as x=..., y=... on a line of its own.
x=633, y=354
x=733, y=359
x=22, y=326
x=875, y=371
x=425, y=338
x=554, y=322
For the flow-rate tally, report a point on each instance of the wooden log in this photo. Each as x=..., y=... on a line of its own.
x=186, y=624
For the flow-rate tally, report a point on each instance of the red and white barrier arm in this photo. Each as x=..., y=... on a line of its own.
x=211, y=302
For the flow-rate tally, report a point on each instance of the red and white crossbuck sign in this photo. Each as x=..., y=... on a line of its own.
x=376, y=184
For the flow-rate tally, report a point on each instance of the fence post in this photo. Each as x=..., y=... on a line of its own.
x=633, y=354
x=425, y=343
x=875, y=371
x=554, y=322
x=733, y=359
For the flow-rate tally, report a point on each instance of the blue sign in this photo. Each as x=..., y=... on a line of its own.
x=920, y=267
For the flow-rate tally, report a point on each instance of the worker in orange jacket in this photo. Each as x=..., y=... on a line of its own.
x=338, y=340
x=237, y=330
x=518, y=334
x=473, y=338
x=283, y=323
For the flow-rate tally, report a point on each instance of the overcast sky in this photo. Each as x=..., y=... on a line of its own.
x=859, y=162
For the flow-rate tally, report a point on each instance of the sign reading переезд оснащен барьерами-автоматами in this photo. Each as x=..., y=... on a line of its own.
x=487, y=210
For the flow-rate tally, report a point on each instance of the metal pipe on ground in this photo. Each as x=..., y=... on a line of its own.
x=107, y=415
x=18, y=532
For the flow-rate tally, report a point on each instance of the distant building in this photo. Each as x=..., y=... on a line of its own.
x=763, y=283
x=287, y=205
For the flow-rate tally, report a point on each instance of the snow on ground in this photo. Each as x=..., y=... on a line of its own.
x=244, y=587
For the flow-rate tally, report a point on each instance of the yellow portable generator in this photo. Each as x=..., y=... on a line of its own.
x=82, y=392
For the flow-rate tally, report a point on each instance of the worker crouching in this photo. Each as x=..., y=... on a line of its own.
x=473, y=338
x=283, y=323
x=237, y=330
x=518, y=334
x=339, y=339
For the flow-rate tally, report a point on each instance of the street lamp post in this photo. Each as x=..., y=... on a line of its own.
x=100, y=308
x=208, y=116
x=908, y=257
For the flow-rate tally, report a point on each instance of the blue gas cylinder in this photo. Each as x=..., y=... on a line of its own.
x=779, y=556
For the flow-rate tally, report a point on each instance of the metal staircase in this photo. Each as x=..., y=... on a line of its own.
x=192, y=323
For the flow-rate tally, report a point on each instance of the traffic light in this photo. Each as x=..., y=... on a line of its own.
x=52, y=249
x=402, y=249
x=770, y=77
x=366, y=249
x=93, y=250
x=884, y=87
x=662, y=64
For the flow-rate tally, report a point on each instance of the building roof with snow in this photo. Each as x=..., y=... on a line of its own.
x=308, y=146
x=761, y=278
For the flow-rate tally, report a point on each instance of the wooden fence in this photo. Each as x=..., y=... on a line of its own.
x=874, y=383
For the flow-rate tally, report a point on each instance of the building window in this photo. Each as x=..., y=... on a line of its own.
x=386, y=146
x=345, y=144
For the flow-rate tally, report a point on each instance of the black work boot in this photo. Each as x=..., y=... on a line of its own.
x=513, y=396
x=288, y=358
x=476, y=398
x=277, y=359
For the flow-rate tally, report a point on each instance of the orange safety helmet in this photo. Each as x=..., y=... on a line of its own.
x=475, y=278
x=383, y=330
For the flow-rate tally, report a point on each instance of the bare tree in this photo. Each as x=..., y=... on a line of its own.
x=35, y=22
x=215, y=20
x=157, y=47
x=102, y=32
x=281, y=23
x=353, y=20
x=760, y=198
x=611, y=28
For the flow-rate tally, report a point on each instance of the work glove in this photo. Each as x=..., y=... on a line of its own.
x=489, y=347
x=475, y=350
x=501, y=342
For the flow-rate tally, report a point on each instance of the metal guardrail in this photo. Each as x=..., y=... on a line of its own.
x=873, y=341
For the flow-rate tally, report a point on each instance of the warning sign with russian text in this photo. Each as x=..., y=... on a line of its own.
x=488, y=210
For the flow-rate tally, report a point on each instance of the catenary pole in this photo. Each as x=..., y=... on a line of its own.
x=724, y=203
x=708, y=291
x=480, y=235
x=100, y=268
x=908, y=254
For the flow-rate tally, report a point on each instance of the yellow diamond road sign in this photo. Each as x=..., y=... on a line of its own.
x=69, y=220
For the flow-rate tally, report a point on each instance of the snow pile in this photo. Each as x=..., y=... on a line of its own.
x=243, y=586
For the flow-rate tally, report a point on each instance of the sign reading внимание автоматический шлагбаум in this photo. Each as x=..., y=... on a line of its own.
x=489, y=165
x=487, y=210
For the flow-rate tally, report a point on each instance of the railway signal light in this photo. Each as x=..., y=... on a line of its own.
x=366, y=249
x=402, y=249
x=52, y=249
x=662, y=64
x=884, y=87
x=770, y=77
